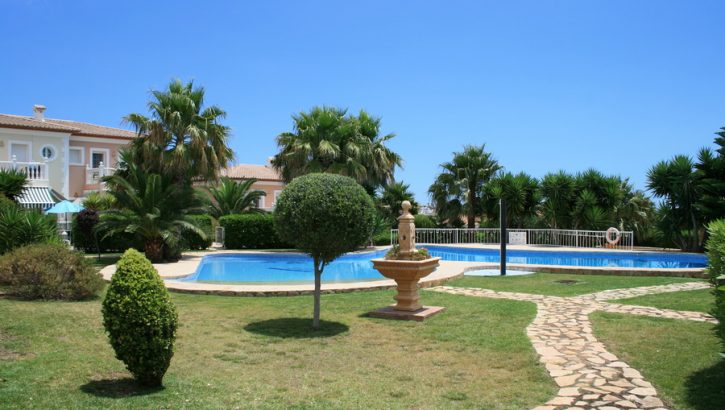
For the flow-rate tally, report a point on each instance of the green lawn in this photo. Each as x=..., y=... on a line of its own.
x=695, y=300
x=259, y=352
x=679, y=357
x=548, y=283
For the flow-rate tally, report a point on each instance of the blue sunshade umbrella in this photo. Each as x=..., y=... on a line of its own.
x=64, y=207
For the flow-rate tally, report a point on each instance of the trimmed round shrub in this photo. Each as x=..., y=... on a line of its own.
x=251, y=231
x=140, y=319
x=49, y=272
x=192, y=240
x=324, y=215
x=715, y=249
x=424, y=221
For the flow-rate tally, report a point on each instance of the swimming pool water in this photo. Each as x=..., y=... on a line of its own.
x=297, y=268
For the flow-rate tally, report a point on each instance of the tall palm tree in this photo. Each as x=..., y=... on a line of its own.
x=557, y=195
x=182, y=138
x=677, y=182
x=151, y=206
x=232, y=197
x=460, y=184
x=326, y=139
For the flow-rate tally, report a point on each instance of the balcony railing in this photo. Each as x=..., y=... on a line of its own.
x=94, y=175
x=36, y=172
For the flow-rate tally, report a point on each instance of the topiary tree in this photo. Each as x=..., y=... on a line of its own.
x=140, y=319
x=325, y=216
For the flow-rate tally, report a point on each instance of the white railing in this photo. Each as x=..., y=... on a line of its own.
x=94, y=175
x=34, y=171
x=573, y=238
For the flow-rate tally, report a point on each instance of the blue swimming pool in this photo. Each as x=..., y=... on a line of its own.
x=297, y=268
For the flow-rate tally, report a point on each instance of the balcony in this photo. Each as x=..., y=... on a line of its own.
x=36, y=172
x=94, y=176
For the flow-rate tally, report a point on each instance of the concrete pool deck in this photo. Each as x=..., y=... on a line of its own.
x=447, y=270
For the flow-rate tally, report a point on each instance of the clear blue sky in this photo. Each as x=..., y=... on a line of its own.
x=614, y=85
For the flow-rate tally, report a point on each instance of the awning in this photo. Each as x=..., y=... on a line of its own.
x=38, y=197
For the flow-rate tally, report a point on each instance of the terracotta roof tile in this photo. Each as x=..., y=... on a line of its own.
x=73, y=127
x=247, y=171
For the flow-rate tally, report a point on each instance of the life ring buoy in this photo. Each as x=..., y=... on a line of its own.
x=613, y=236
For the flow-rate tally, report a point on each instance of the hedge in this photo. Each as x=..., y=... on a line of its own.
x=250, y=231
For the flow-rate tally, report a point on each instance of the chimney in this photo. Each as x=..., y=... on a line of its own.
x=39, y=112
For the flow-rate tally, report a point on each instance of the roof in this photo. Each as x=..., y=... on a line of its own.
x=37, y=197
x=72, y=127
x=248, y=171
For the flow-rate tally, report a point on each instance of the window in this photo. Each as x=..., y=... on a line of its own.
x=75, y=156
x=47, y=152
x=99, y=156
x=276, y=194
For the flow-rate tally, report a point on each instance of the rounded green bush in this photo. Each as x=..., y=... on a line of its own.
x=424, y=221
x=324, y=215
x=49, y=272
x=140, y=319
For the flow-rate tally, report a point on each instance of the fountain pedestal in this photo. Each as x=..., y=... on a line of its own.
x=406, y=271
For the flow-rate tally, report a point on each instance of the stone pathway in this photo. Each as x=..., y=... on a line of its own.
x=588, y=376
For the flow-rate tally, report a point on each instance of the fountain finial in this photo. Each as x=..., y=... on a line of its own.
x=406, y=230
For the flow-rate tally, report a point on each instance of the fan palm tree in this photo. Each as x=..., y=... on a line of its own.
x=12, y=183
x=326, y=139
x=392, y=198
x=151, y=206
x=460, y=185
x=181, y=138
x=557, y=195
x=521, y=193
x=232, y=197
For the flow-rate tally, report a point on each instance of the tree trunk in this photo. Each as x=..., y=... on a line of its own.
x=318, y=286
x=471, y=208
x=154, y=250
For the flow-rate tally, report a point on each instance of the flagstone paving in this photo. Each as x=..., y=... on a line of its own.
x=588, y=376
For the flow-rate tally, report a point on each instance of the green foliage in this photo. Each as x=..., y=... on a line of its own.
x=391, y=199
x=232, y=197
x=460, y=186
x=677, y=182
x=85, y=238
x=382, y=239
x=522, y=196
x=152, y=207
x=716, y=267
x=424, y=221
x=418, y=254
x=12, y=183
x=250, y=231
x=192, y=240
x=22, y=227
x=140, y=319
x=711, y=167
x=49, y=271
x=329, y=140
x=324, y=215
x=181, y=139
x=99, y=201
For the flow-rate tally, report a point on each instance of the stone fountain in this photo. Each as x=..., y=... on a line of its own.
x=406, y=267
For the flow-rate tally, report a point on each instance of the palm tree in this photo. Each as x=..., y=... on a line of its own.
x=392, y=198
x=232, y=197
x=677, y=182
x=460, y=185
x=557, y=196
x=181, y=138
x=12, y=183
x=151, y=206
x=521, y=193
x=326, y=139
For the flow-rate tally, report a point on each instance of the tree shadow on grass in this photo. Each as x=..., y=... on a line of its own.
x=118, y=388
x=706, y=388
x=295, y=328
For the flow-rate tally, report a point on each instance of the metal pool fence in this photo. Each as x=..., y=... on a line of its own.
x=573, y=238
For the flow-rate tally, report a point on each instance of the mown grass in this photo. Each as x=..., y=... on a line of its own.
x=555, y=284
x=680, y=358
x=694, y=300
x=260, y=353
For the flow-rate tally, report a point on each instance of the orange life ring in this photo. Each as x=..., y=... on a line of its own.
x=613, y=232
